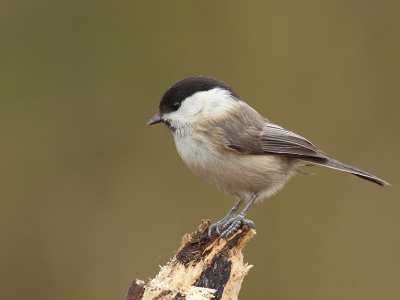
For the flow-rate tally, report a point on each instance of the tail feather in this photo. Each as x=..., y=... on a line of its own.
x=334, y=164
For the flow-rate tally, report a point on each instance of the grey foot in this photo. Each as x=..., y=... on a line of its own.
x=229, y=225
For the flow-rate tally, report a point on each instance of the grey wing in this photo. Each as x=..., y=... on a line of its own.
x=264, y=137
x=241, y=130
x=242, y=138
x=268, y=138
x=276, y=139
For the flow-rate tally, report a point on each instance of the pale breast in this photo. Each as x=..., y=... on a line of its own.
x=240, y=175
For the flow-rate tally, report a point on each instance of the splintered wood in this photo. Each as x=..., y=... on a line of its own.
x=202, y=268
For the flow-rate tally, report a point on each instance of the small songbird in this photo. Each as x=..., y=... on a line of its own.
x=229, y=144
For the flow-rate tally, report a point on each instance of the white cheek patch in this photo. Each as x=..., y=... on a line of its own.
x=208, y=103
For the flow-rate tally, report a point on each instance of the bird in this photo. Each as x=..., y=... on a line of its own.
x=229, y=144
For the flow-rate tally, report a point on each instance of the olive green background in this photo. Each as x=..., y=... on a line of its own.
x=92, y=198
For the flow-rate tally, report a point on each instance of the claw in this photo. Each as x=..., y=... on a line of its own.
x=231, y=223
x=227, y=227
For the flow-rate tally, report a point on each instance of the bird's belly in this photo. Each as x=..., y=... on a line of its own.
x=240, y=175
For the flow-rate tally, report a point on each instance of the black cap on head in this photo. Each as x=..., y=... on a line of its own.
x=189, y=86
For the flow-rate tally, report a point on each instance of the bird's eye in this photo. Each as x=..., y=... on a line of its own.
x=175, y=105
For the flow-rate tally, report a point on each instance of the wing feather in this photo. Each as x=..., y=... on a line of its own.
x=276, y=139
x=246, y=131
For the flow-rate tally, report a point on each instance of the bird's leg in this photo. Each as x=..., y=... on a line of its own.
x=231, y=223
x=223, y=223
x=247, y=207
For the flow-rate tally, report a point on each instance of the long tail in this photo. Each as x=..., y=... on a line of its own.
x=334, y=164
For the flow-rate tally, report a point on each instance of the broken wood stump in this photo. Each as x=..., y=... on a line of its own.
x=202, y=268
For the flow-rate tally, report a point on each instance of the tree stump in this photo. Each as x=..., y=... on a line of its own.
x=202, y=268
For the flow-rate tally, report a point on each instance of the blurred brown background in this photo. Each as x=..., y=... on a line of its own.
x=91, y=197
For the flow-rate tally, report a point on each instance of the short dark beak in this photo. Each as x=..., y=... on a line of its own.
x=154, y=120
